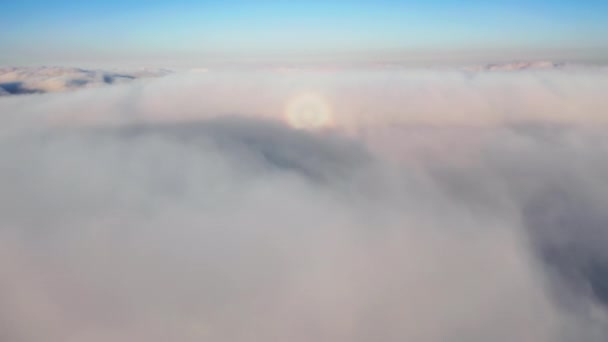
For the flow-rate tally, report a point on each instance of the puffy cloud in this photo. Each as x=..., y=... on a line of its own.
x=439, y=207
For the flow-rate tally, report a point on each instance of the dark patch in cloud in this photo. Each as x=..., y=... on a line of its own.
x=571, y=232
x=111, y=79
x=18, y=88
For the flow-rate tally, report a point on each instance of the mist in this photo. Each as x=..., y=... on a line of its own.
x=432, y=205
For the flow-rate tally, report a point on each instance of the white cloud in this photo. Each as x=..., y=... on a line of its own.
x=439, y=207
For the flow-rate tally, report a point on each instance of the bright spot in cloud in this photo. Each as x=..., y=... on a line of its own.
x=308, y=111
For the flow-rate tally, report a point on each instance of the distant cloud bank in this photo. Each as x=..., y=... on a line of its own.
x=36, y=80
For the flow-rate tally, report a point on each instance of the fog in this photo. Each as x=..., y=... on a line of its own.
x=435, y=205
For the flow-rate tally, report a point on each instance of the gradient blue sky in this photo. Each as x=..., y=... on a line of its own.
x=199, y=32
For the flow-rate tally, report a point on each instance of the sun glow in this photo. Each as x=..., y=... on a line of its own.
x=308, y=111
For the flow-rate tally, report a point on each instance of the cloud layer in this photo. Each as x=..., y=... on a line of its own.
x=441, y=206
x=37, y=80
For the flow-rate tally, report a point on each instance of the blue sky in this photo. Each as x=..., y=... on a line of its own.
x=191, y=32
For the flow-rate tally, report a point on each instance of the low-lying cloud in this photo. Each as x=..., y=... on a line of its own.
x=39, y=80
x=440, y=206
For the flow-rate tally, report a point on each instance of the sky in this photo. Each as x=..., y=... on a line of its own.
x=199, y=32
